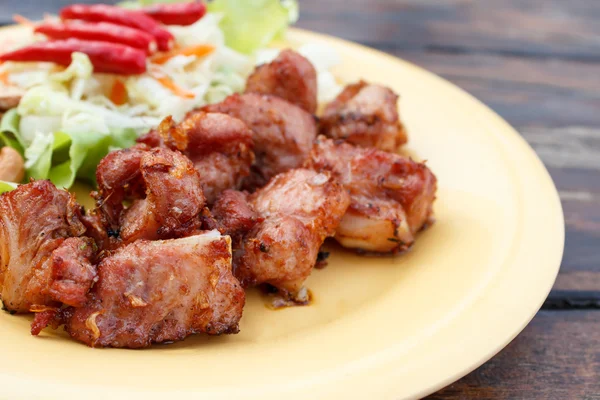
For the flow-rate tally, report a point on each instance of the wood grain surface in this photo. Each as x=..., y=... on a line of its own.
x=536, y=63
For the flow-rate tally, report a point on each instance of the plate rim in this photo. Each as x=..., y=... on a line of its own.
x=514, y=135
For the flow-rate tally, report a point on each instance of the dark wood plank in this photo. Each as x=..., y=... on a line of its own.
x=548, y=93
x=556, y=357
x=530, y=28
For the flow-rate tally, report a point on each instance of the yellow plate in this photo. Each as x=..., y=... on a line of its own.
x=380, y=327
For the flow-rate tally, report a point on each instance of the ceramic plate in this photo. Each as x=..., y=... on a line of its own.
x=390, y=327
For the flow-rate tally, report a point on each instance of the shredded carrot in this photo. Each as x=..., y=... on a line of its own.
x=169, y=84
x=19, y=19
x=118, y=93
x=198, y=51
x=4, y=78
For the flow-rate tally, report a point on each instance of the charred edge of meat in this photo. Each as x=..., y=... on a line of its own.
x=322, y=257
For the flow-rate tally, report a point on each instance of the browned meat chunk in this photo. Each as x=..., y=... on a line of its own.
x=96, y=230
x=220, y=147
x=300, y=209
x=119, y=178
x=290, y=76
x=164, y=190
x=283, y=133
x=233, y=214
x=43, y=262
x=72, y=271
x=161, y=291
x=391, y=195
x=365, y=115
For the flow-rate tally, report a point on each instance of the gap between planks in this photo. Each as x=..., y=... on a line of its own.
x=572, y=300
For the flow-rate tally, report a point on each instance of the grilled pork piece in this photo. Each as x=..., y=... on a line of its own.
x=164, y=190
x=43, y=260
x=283, y=133
x=391, y=195
x=233, y=215
x=220, y=147
x=300, y=208
x=290, y=76
x=161, y=291
x=365, y=115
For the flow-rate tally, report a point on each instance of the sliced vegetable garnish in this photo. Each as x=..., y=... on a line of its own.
x=172, y=86
x=251, y=24
x=100, y=31
x=116, y=15
x=4, y=78
x=38, y=156
x=118, y=93
x=197, y=51
x=176, y=14
x=21, y=20
x=106, y=57
x=143, y=3
x=9, y=130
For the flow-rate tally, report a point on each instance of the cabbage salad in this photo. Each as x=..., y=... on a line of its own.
x=69, y=118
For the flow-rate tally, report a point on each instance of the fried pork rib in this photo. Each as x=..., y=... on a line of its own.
x=300, y=208
x=161, y=291
x=391, y=196
x=290, y=76
x=365, y=115
x=220, y=147
x=164, y=190
x=43, y=261
x=283, y=133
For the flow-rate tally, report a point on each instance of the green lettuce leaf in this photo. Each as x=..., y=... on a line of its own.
x=9, y=130
x=7, y=186
x=38, y=156
x=249, y=25
x=86, y=151
x=66, y=156
x=75, y=151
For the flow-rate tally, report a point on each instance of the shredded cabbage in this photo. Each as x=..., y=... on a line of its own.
x=63, y=136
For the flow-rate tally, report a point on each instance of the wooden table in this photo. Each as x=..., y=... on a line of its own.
x=537, y=63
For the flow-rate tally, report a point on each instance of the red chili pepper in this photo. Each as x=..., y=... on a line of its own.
x=120, y=16
x=177, y=13
x=101, y=31
x=105, y=57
